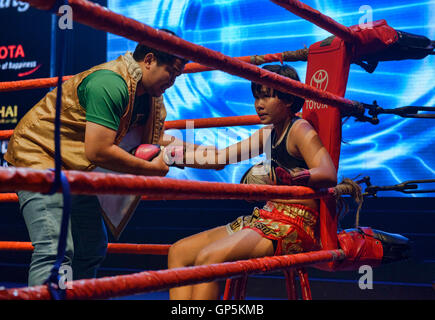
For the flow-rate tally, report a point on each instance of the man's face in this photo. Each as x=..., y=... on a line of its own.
x=158, y=78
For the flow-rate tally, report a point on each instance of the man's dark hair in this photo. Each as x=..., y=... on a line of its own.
x=286, y=71
x=162, y=57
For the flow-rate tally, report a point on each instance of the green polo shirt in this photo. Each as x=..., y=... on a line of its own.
x=104, y=95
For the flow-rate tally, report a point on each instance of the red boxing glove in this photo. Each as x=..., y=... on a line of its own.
x=296, y=178
x=146, y=151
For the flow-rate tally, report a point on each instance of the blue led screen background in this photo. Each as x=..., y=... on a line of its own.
x=391, y=152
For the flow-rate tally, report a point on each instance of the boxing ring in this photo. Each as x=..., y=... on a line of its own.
x=364, y=43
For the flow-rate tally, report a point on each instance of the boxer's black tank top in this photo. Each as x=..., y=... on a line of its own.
x=279, y=153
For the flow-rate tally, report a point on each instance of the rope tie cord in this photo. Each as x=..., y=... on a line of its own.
x=352, y=188
x=296, y=55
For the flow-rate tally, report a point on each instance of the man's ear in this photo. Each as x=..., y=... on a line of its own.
x=149, y=58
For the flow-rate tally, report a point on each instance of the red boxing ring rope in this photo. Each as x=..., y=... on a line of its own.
x=310, y=14
x=101, y=18
x=214, y=122
x=13, y=197
x=165, y=188
x=155, y=188
x=5, y=134
x=126, y=248
x=149, y=281
x=7, y=86
x=8, y=197
x=181, y=124
x=298, y=55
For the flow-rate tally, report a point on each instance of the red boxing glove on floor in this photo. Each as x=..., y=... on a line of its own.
x=146, y=151
x=299, y=178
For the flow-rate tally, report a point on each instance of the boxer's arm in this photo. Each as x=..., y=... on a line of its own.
x=101, y=151
x=184, y=154
x=322, y=172
x=210, y=157
x=246, y=149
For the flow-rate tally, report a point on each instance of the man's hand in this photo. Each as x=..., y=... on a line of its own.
x=159, y=166
x=101, y=150
x=152, y=153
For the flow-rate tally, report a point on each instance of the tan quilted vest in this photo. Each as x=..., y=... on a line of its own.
x=32, y=144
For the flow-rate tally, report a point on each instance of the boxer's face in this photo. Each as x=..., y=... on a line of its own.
x=270, y=108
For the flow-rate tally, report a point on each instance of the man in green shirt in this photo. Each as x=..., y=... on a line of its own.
x=99, y=107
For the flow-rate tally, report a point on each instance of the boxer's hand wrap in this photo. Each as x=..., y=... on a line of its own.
x=295, y=178
x=261, y=173
x=146, y=151
x=174, y=155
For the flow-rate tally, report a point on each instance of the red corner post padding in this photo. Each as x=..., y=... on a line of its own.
x=328, y=69
x=373, y=41
x=361, y=248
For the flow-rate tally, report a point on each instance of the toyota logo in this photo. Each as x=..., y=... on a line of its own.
x=320, y=80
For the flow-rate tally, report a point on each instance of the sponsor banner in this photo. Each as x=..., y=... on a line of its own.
x=25, y=50
x=25, y=47
x=319, y=80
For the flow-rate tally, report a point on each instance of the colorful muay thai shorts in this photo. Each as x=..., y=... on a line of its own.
x=291, y=227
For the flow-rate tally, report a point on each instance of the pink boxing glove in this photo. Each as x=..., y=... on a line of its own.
x=293, y=177
x=146, y=151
